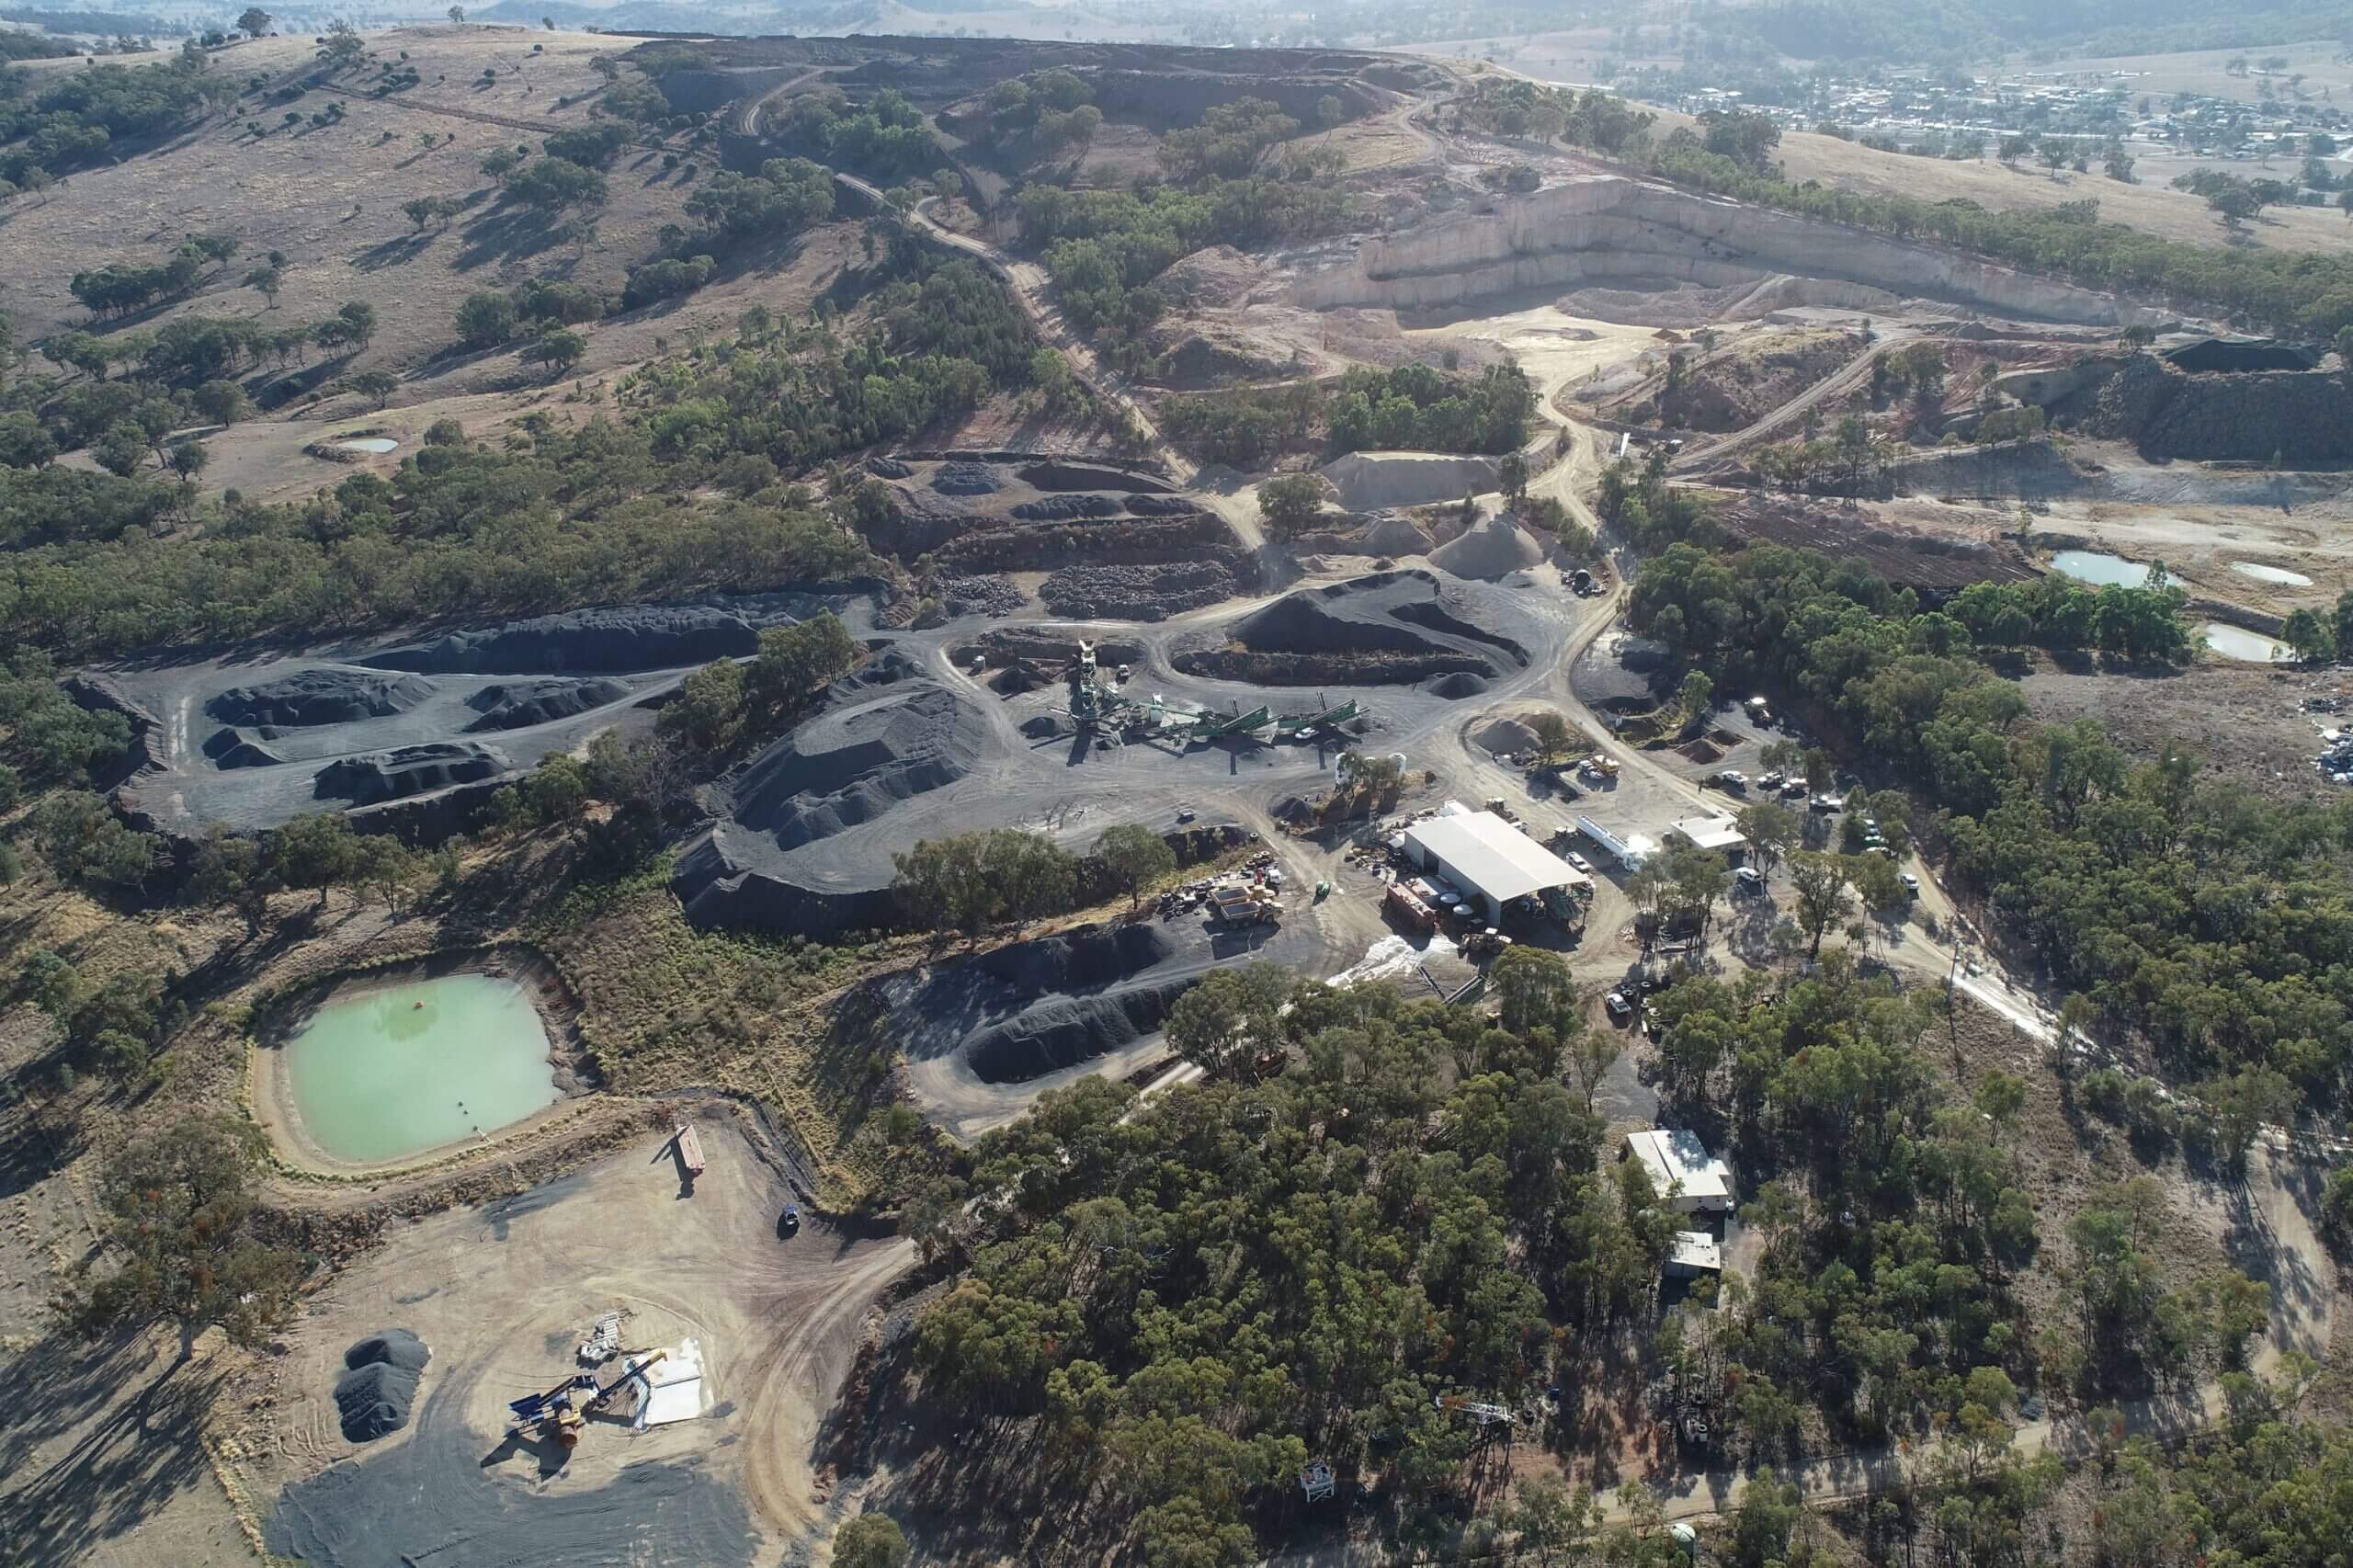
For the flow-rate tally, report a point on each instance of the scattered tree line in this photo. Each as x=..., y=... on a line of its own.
x=1415, y=407
x=2189, y=914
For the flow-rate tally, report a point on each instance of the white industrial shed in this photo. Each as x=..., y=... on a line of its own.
x=1487, y=856
x=1714, y=833
x=1677, y=1161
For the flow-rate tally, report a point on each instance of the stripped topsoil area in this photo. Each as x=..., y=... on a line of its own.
x=1391, y=628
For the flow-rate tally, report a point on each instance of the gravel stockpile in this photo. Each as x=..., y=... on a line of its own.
x=1455, y=684
x=1506, y=736
x=1152, y=592
x=229, y=749
x=1078, y=958
x=408, y=771
x=375, y=1396
x=857, y=759
x=1497, y=548
x=1062, y=1031
x=319, y=697
x=1066, y=508
x=1391, y=534
x=887, y=468
x=517, y=705
x=1161, y=506
x=614, y=640
x=1086, y=476
x=965, y=479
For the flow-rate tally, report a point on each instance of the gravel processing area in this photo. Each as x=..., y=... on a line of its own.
x=407, y=726
x=502, y=1294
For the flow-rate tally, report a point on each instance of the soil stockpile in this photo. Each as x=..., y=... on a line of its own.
x=615, y=640
x=1136, y=592
x=375, y=1396
x=856, y=760
x=887, y=468
x=319, y=697
x=1497, y=548
x=517, y=705
x=408, y=771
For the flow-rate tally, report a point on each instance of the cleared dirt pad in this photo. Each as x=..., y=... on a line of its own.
x=502, y=1294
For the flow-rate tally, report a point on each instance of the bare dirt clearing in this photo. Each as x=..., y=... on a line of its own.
x=777, y=1318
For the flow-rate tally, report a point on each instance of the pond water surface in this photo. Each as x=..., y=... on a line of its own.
x=2094, y=566
x=414, y=1066
x=2237, y=643
x=378, y=444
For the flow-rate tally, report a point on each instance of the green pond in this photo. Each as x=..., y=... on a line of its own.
x=414, y=1066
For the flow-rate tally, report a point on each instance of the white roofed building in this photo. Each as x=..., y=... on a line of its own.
x=1488, y=858
x=1680, y=1167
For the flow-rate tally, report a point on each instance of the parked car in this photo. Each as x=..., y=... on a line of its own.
x=1748, y=878
x=1580, y=862
x=1617, y=1004
x=1911, y=883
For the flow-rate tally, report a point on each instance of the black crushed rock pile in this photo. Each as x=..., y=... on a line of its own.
x=319, y=697
x=375, y=1397
x=517, y=705
x=965, y=479
x=887, y=468
x=229, y=749
x=407, y=770
x=859, y=757
x=1454, y=685
x=1066, y=508
x=1086, y=476
x=1062, y=1031
x=1161, y=506
x=1043, y=727
x=1152, y=592
x=614, y=640
x=1075, y=959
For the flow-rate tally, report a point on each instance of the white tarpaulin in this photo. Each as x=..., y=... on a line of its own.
x=676, y=1390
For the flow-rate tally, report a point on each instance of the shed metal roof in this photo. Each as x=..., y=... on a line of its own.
x=1494, y=857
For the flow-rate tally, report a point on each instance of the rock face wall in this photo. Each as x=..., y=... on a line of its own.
x=2299, y=416
x=1606, y=229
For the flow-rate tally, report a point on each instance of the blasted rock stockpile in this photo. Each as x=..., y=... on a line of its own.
x=518, y=705
x=615, y=640
x=1390, y=628
x=375, y=1396
x=408, y=771
x=319, y=697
